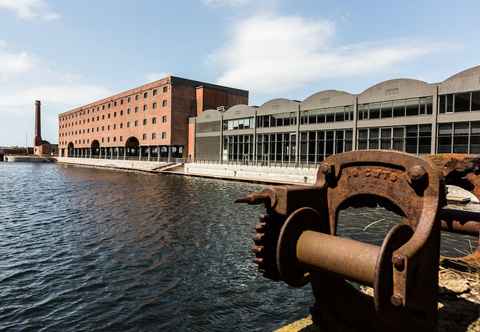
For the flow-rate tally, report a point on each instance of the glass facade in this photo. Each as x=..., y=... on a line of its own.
x=459, y=102
x=327, y=115
x=277, y=147
x=396, y=108
x=238, y=148
x=459, y=137
x=315, y=146
x=277, y=120
x=415, y=139
x=245, y=123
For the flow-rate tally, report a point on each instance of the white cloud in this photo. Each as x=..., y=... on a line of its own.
x=226, y=3
x=273, y=54
x=29, y=77
x=66, y=95
x=30, y=9
x=12, y=63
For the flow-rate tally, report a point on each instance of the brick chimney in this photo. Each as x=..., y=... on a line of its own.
x=38, y=124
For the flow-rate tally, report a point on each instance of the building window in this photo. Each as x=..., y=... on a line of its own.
x=144, y=122
x=136, y=123
x=144, y=107
x=114, y=103
x=164, y=119
x=108, y=127
x=154, y=92
x=476, y=101
x=121, y=101
x=103, y=117
x=121, y=112
x=114, y=138
x=164, y=135
x=154, y=105
x=145, y=95
x=136, y=97
x=154, y=120
x=108, y=115
x=103, y=128
x=128, y=111
x=136, y=109
x=165, y=89
x=121, y=138
x=108, y=105
x=164, y=103
x=128, y=124
x=114, y=126
x=144, y=137
x=114, y=114
x=128, y=99
x=154, y=136
x=121, y=125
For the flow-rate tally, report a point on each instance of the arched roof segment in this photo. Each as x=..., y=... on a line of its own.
x=239, y=111
x=466, y=80
x=279, y=105
x=327, y=98
x=401, y=88
x=208, y=116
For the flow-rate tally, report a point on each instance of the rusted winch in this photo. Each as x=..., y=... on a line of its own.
x=296, y=241
x=462, y=171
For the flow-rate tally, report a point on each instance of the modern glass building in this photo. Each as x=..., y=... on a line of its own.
x=400, y=114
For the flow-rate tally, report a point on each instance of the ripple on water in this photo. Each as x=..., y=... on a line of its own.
x=86, y=250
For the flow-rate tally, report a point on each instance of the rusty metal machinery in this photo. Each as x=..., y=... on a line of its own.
x=463, y=171
x=296, y=241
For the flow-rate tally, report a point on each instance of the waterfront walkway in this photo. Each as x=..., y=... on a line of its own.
x=271, y=174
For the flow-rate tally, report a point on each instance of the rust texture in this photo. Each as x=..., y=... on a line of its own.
x=296, y=240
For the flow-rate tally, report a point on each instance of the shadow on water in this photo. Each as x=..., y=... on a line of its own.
x=87, y=249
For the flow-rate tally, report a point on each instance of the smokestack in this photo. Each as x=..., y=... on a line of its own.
x=38, y=125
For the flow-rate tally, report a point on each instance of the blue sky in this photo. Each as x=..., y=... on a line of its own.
x=68, y=53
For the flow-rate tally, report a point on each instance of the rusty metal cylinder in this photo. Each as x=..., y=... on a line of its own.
x=352, y=259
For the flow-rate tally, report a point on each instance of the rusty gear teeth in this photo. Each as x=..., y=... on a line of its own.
x=265, y=241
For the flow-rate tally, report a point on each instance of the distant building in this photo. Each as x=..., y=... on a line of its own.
x=40, y=147
x=151, y=119
x=400, y=114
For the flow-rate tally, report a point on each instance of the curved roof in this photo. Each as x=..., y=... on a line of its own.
x=399, y=88
x=279, y=105
x=239, y=111
x=209, y=115
x=466, y=80
x=327, y=98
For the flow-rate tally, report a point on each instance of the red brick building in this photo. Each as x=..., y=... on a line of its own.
x=150, y=121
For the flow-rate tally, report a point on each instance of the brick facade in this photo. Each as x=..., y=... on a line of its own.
x=155, y=114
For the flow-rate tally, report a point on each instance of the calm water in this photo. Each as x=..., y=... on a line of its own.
x=85, y=250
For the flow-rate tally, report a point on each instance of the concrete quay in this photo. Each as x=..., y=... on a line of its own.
x=254, y=173
x=132, y=165
x=234, y=172
x=28, y=159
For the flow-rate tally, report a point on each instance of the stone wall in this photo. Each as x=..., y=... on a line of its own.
x=107, y=163
x=288, y=175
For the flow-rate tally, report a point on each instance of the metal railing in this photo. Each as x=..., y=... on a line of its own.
x=258, y=163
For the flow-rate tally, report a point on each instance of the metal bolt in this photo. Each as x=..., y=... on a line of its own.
x=416, y=173
x=399, y=263
x=396, y=300
x=328, y=171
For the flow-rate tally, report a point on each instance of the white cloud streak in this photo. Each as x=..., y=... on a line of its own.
x=271, y=54
x=69, y=95
x=30, y=9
